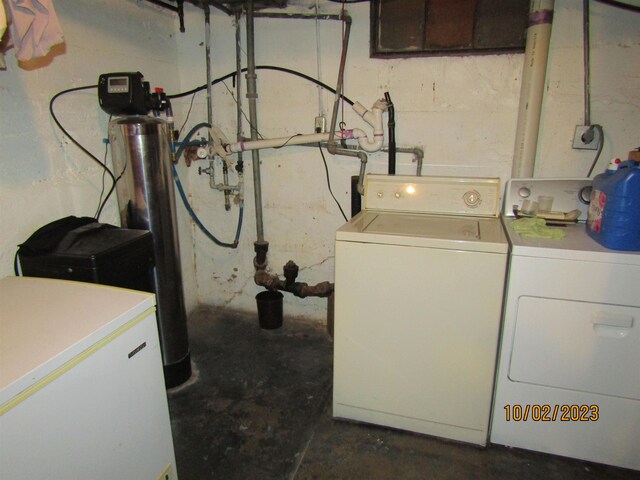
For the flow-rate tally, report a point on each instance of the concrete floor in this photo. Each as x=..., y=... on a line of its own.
x=259, y=407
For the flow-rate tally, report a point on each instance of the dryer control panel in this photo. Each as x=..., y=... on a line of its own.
x=435, y=195
x=565, y=194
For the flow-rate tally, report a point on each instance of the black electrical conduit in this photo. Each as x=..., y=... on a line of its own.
x=261, y=67
x=624, y=6
x=106, y=169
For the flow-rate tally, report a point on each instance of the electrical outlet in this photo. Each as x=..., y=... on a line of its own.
x=320, y=125
x=167, y=473
x=580, y=144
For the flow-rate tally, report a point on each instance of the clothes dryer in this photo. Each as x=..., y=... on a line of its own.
x=568, y=381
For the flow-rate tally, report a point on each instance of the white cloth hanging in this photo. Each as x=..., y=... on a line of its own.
x=3, y=21
x=34, y=27
x=3, y=27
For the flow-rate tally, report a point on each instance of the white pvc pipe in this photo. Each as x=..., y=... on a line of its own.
x=532, y=90
x=373, y=118
x=279, y=142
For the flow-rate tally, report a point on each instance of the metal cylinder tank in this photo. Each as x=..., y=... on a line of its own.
x=141, y=155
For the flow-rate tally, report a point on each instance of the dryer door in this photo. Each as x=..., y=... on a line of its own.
x=586, y=347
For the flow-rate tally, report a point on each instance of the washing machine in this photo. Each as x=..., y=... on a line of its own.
x=568, y=378
x=419, y=279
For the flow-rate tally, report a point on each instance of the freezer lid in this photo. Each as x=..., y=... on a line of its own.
x=46, y=322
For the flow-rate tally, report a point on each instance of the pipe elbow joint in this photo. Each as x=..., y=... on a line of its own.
x=365, y=144
x=366, y=115
x=332, y=148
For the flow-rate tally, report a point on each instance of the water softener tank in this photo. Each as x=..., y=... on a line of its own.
x=141, y=155
x=614, y=210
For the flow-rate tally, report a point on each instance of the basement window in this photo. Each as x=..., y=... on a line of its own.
x=402, y=28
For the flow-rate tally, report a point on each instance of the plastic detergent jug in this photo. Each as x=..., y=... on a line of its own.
x=614, y=211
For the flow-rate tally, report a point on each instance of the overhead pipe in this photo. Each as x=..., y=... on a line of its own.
x=221, y=7
x=303, y=16
x=532, y=89
x=179, y=9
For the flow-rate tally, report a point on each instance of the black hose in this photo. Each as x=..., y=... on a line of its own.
x=261, y=67
x=391, y=123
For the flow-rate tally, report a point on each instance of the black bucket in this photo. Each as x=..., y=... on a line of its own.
x=269, y=309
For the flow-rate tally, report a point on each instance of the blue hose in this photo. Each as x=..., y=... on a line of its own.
x=197, y=221
x=185, y=201
x=188, y=136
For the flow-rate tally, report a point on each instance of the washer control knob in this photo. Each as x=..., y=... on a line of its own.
x=380, y=194
x=472, y=198
x=397, y=195
x=524, y=192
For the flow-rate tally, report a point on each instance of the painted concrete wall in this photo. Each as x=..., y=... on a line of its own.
x=461, y=110
x=615, y=88
x=44, y=176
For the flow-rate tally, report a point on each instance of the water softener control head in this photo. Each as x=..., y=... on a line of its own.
x=123, y=93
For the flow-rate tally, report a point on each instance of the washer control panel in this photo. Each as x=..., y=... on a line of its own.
x=436, y=195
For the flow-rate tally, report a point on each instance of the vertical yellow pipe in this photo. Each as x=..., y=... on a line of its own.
x=532, y=90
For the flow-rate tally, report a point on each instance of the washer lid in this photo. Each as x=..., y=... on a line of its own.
x=422, y=230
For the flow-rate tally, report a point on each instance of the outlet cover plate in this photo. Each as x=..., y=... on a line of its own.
x=320, y=125
x=578, y=144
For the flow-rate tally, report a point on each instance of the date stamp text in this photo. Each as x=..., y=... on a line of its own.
x=551, y=413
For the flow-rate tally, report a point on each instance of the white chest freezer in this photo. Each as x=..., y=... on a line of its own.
x=81, y=385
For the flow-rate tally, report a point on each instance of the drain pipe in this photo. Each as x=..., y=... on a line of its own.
x=532, y=89
x=417, y=152
x=260, y=245
x=288, y=284
x=391, y=124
